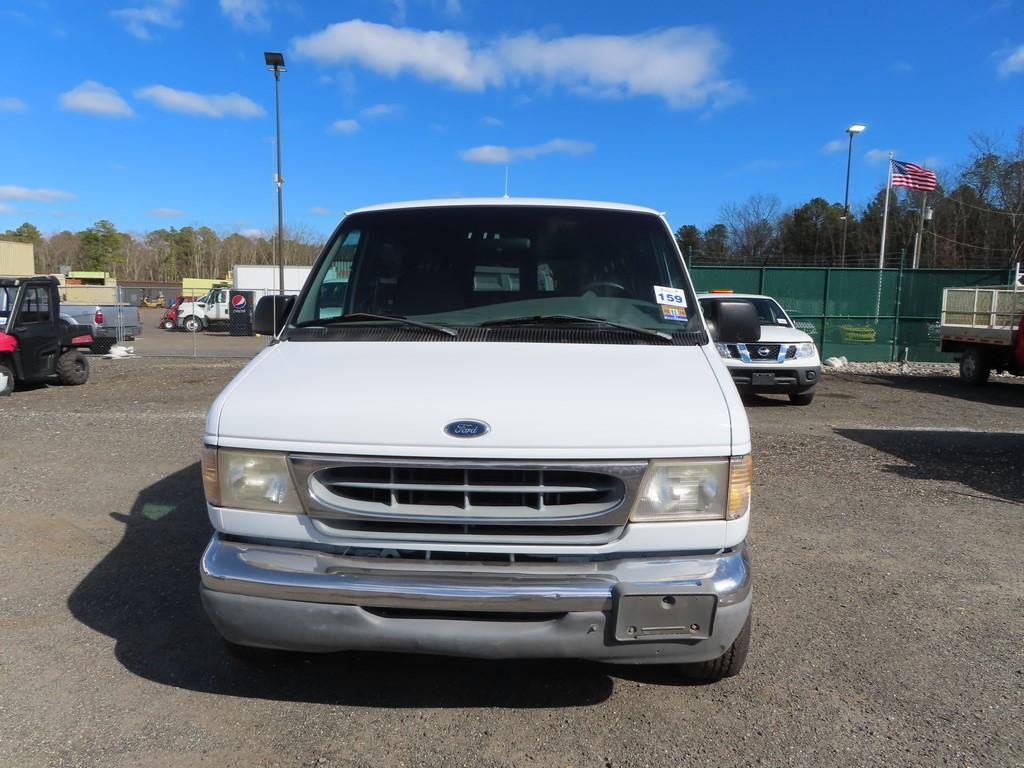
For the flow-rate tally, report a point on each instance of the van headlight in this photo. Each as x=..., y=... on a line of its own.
x=715, y=489
x=254, y=480
x=806, y=350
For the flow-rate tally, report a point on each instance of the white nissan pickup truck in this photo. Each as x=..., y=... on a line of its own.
x=511, y=436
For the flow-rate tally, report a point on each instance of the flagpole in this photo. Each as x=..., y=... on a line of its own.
x=885, y=215
x=920, y=230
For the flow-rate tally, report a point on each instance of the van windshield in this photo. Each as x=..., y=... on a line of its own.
x=465, y=266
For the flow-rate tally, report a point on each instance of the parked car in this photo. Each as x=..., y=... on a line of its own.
x=549, y=464
x=108, y=323
x=36, y=343
x=784, y=360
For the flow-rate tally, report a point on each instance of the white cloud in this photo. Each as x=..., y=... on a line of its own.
x=246, y=14
x=12, y=104
x=878, y=155
x=160, y=13
x=4, y=208
x=95, y=99
x=1012, y=61
x=835, y=145
x=381, y=110
x=443, y=56
x=208, y=105
x=678, y=64
x=166, y=213
x=344, y=126
x=253, y=233
x=494, y=154
x=39, y=195
x=320, y=211
x=493, y=122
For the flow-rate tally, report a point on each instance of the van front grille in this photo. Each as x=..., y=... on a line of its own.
x=471, y=497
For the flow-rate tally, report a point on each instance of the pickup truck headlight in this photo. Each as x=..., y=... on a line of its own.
x=806, y=350
x=255, y=480
x=715, y=489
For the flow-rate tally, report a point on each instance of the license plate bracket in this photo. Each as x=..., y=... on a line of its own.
x=642, y=613
x=763, y=379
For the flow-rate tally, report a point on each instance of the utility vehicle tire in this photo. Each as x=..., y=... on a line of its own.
x=101, y=346
x=728, y=664
x=72, y=368
x=801, y=398
x=250, y=654
x=974, y=367
x=192, y=324
x=6, y=380
x=167, y=325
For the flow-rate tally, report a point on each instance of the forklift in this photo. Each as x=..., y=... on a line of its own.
x=35, y=342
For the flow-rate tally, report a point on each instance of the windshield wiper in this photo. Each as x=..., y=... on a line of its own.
x=542, y=319
x=355, y=317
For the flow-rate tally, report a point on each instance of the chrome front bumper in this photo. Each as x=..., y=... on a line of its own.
x=308, y=600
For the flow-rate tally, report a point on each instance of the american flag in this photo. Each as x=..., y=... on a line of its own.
x=912, y=176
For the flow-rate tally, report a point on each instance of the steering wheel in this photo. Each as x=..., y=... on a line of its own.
x=604, y=284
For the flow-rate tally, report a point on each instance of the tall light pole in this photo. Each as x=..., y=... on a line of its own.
x=853, y=130
x=275, y=63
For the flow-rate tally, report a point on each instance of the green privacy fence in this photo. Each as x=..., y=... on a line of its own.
x=865, y=314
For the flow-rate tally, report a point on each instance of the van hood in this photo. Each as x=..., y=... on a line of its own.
x=545, y=401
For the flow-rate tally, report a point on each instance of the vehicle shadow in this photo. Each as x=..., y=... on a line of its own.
x=998, y=391
x=988, y=462
x=145, y=595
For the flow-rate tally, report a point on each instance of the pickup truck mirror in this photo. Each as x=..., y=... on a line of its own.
x=270, y=314
x=737, y=323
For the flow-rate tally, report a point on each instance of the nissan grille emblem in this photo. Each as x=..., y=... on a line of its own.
x=763, y=351
x=467, y=428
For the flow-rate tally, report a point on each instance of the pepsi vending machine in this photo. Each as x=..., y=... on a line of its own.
x=240, y=313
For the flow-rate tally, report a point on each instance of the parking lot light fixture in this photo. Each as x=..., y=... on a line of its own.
x=853, y=130
x=275, y=63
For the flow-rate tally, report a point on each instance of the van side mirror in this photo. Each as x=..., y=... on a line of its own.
x=271, y=313
x=737, y=323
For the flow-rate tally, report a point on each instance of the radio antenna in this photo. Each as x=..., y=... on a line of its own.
x=506, y=181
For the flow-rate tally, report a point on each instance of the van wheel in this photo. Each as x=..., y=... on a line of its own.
x=727, y=665
x=801, y=398
x=6, y=380
x=192, y=324
x=974, y=367
x=250, y=654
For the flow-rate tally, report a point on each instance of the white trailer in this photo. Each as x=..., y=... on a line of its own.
x=264, y=279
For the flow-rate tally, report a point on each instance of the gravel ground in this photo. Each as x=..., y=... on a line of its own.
x=887, y=541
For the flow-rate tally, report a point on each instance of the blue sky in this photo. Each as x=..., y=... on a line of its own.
x=160, y=112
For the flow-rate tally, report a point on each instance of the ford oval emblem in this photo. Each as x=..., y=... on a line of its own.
x=466, y=428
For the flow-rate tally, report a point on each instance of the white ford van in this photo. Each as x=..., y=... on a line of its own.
x=512, y=438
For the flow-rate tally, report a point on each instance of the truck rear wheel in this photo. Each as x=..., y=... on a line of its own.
x=727, y=665
x=974, y=367
x=6, y=380
x=72, y=368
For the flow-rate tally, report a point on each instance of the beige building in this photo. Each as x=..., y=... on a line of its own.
x=16, y=259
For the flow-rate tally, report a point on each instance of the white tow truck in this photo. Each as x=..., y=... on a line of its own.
x=510, y=436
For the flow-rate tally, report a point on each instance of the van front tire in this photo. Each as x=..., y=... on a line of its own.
x=728, y=664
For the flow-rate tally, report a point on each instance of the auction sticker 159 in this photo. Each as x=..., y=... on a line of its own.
x=672, y=296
